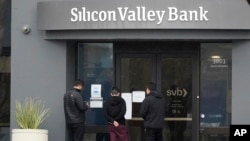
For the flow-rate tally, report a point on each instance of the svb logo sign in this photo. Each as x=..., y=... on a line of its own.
x=239, y=132
x=178, y=92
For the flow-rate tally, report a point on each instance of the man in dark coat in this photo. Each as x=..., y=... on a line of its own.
x=74, y=109
x=114, y=110
x=153, y=111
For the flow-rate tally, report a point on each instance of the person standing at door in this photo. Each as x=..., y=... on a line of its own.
x=74, y=110
x=153, y=111
x=114, y=110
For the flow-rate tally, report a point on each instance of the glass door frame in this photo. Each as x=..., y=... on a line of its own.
x=195, y=88
x=190, y=50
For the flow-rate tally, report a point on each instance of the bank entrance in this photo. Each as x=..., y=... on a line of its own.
x=174, y=67
x=195, y=78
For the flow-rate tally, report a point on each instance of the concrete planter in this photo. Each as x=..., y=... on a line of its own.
x=29, y=135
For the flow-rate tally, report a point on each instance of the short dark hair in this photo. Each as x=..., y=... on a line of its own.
x=78, y=82
x=151, y=86
x=115, y=90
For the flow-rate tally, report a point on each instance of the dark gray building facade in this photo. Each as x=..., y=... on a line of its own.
x=195, y=51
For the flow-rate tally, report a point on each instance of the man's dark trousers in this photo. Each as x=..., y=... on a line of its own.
x=119, y=133
x=153, y=134
x=76, y=131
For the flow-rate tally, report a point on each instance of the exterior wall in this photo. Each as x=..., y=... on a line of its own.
x=240, y=82
x=38, y=67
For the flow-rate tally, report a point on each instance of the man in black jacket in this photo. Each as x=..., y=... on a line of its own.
x=74, y=109
x=114, y=110
x=153, y=111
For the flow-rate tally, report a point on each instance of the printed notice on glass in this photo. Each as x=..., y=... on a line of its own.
x=96, y=90
x=138, y=96
x=128, y=100
x=96, y=104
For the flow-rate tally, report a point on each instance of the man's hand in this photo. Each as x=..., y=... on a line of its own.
x=87, y=104
x=115, y=123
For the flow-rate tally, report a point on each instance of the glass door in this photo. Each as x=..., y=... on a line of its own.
x=176, y=78
x=133, y=72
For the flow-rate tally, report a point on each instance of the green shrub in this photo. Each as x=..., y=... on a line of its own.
x=31, y=114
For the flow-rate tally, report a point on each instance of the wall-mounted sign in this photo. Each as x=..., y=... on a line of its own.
x=138, y=14
x=130, y=14
x=219, y=63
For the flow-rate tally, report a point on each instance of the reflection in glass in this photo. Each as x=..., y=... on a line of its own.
x=134, y=70
x=176, y=84
x=215, y=87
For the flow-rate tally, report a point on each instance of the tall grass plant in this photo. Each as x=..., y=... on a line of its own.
x=31, y=114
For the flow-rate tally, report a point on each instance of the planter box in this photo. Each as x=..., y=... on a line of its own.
x=29, y=135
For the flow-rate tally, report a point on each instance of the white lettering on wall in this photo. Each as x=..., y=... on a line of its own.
x=187, y=15
x=74, y=17
x=172, y=11
x=138, y=14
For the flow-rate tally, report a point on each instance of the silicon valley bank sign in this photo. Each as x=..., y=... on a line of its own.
x=139, y=14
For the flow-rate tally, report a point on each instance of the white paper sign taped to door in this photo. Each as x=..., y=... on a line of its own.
x=138, y=96
x=96, y=90
x=128, y=100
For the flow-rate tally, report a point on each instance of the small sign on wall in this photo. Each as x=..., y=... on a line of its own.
x=96, y=100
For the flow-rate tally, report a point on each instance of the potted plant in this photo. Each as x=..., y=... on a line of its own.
x=29, y=116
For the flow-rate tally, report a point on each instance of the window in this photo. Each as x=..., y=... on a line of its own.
x=215, y=86
x=95, y=66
